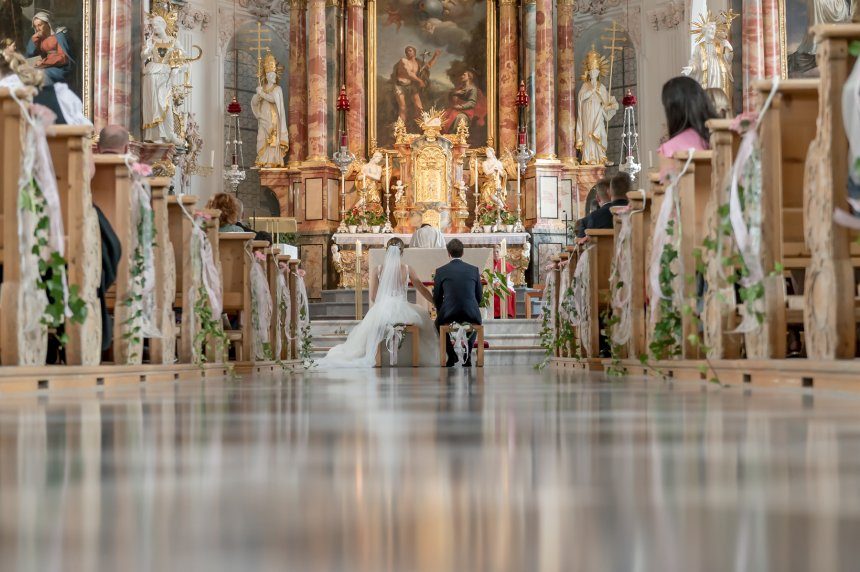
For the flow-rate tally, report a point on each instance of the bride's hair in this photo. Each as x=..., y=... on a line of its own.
x=396, y=242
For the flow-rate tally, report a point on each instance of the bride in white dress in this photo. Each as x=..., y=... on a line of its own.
x=389, y=308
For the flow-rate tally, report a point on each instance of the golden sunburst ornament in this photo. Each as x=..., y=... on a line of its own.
x=431, y=122
x=594, y=60
x=720, y=26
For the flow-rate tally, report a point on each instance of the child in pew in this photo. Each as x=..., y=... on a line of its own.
x=232, y=210
x=687, y=108
x=721, y=103
x=601, y=197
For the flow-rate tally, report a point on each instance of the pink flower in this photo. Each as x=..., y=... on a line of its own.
x=260, y=256
x=42, y=113
x=141, y=169
x=203, y=215
x=300, y=273
x=743, y=122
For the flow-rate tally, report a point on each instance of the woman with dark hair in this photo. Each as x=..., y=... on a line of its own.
x=687, y=108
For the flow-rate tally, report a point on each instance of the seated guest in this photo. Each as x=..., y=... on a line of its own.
x=619, y=186
x=512, y=294
x=601, y=197
x=720, y=101
x=231, y=209
x=687, y=108
x=113, y=140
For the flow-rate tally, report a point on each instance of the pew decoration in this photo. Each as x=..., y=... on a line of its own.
x=460, y=341
x=666, y=274
x=44, y=297
x=282, y=316
x=205, y=292
x=140, y=302
x=566, y=335
x=393, y=341
x=582, y=300
x=261, y=305
x=303, y=321
x=548, y=317
x=621, y=287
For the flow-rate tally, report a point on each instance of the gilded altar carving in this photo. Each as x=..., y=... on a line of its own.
x=432, y=166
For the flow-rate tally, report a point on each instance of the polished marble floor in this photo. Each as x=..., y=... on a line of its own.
x=430, y=471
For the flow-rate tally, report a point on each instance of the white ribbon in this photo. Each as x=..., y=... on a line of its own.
x=669, y=210
x=303, y=316
x=261, y=307
x=393, y=338
x=460, y=341
x=622, y=271
x=582, y=299
x=144, y=239
x=283, y=314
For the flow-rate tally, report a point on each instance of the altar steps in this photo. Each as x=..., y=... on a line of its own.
x=511, y=342
x=340, y=304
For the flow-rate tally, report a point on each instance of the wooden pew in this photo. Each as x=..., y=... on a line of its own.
x=719, y=314
x=11, y=319
x=111, y=191
x=569, y=269
x=656, y=194
x=263, y=247
x=163, y=350
x=830, y=291
x=236, y=281
x=640, y=240
x=787, y=129
x=180, y=239
x=71, y=153
x=563, y=261
x=694, y=191
x=599, y=267
x=272, y=272
x=286, y=343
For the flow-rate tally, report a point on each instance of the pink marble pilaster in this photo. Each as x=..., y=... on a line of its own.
x=753, y=50
x=771, y=38
x=101, y=64
x=317, y=94
x=508, y=84
x=566, y=82
x=544, y=81
x=119, y=97
x=355, y=76
x=298, y=109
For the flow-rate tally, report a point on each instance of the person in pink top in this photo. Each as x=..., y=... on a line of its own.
x=687, y=108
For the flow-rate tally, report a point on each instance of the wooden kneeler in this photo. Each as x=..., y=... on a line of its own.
x=443, y=344
x=413, y=331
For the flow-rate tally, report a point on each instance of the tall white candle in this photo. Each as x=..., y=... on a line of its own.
x=475, y=172
x=212, y=159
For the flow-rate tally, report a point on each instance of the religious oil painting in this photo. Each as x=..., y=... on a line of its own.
x=54, y=35
x=798, y=42
x=430, y=54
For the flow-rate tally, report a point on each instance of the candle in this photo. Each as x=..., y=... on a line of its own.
x=650, y=160
x=359, y=302
x=475, y=172
x=503, y=250
x=212, y=159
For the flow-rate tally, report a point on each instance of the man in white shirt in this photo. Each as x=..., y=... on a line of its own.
x=427, y=236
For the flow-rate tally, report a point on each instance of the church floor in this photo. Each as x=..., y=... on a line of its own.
x=430, y=470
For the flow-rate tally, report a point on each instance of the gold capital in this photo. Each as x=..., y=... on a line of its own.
x=355, y=3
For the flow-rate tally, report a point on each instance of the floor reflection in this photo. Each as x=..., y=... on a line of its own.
x=430, y=470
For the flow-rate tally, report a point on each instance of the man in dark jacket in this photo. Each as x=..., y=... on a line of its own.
x=457, y=296
x=619, y=186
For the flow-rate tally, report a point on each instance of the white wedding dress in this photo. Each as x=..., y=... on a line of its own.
x=390, y=308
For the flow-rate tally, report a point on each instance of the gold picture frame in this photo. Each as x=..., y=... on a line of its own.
x=491, y=71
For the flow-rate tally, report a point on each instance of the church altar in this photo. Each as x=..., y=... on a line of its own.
x=344, y=247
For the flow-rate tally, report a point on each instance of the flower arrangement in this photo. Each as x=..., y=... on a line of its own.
x=497, y=285
x=509, y=217
x=353, y=217
x=487, y=214
x=375, y=215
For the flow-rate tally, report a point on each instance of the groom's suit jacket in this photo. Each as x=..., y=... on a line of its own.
x=457, y=293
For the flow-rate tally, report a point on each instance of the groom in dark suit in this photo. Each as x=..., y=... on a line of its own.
x=457, y=296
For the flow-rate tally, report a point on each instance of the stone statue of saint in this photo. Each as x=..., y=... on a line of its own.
x=494, y=190
x=595, y=107
x=711, y=63
x=367, y=181
x=268, y=107
x=163, y=61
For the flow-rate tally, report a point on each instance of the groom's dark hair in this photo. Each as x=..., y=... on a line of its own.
x=455, y=248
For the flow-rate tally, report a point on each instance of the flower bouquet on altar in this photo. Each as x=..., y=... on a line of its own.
x=486, y=218
x=374, y=217
x=353, y=219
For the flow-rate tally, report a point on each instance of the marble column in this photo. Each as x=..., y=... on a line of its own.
x=508, y=74
x=334, y=77
x=355, y=77
x=566, y=83
x=529, y=60
x=298, y=109
x=771, y=38
x=544, y=81
x=317, y=94
x=112, y=78
x=753, y=50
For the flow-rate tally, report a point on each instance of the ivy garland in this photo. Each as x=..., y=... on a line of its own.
x=566, y=338
x=134, y=300
x=209, y=330
x=610, y=320
x=666, y=342
x=547, y=332
x=306, y=340
x=52, y=267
